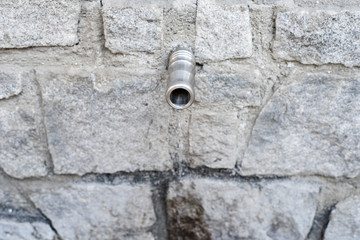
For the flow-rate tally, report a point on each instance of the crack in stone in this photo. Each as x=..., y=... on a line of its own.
x=45, y=218
x=50, y=162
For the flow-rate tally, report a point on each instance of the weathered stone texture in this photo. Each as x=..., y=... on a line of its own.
x=345, y=220
x=26, y=23
x=318, y=37
x=220, y=123
x=131, y=27
x=241, y=89
x=213, y=139
x=223, y=31
x=179, y=24
x=96, y=211
x=10, y=83
x=11, y=230
x=213, y=209
x=327, y=3
x=105, y=123
x=310, y=126
x=13, y=204
x=23, y=148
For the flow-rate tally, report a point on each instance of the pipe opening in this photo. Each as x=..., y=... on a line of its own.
x=180, y=97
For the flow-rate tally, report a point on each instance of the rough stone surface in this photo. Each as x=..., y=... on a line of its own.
x=310, y=126
x=223, y=31
x=238, y=89
x=105, y=123
x=18, y=218
x=321, y=4
x=23, y=148
x=213, y=139
x=90, y=149
x=212, y=209
x=96, y=211
x=11, y=230
x=13, y=205
x=130, y=27
x=319, y=37
x=345, y=220
x=25, y=23
x=179, y=24
x=10, y=84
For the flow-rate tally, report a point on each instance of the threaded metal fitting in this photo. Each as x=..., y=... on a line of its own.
x=180, y=92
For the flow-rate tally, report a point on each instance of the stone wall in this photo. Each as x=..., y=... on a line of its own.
x=89, y=148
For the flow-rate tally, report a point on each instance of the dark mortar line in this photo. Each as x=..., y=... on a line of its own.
x=159, y=194
x=156, y=178
x=42, y=216
x=320, y=223
x=130, y=177
x=50, y=161
x=19, y=214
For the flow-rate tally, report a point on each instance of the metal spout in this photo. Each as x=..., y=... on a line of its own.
x=180, y=92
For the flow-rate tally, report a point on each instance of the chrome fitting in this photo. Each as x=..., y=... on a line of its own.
x=180, y=92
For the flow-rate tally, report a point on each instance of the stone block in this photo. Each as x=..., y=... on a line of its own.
x=23, y=147
x=214, y=209
x=311, y=126
x=321, y=4
x=132, y=27
x=223, y=31
x=318, y=37
x=179, y=24
x=344, y=221
x=12, y=230
x=105, y=123
x=97, y=211
x=30, y=23
x=10, y=83
x=240, y=89
x=213, y=138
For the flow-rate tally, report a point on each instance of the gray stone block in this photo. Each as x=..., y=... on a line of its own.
x=214, y=209
x=311, y=126
x=223, y=31
x=25, y=23
x=12, y=230
x=321, y=4
x=10, y=83
x=97, y=211
x=105, y=123
x=240, y=89
x=345, y=220
x=130, y=27
x=23, y=148
x=179, y=25
x=318, y=37
x=213, y=138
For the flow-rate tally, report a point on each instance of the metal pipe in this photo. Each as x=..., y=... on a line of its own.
x=180, y=92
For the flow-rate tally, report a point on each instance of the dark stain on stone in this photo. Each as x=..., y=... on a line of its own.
x=186, y=219
x=320, y=222
x=283, y=228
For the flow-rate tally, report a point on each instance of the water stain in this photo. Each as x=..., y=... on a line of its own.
x=186, y=219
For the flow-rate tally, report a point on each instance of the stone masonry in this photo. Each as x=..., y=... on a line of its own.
x=89, y=148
